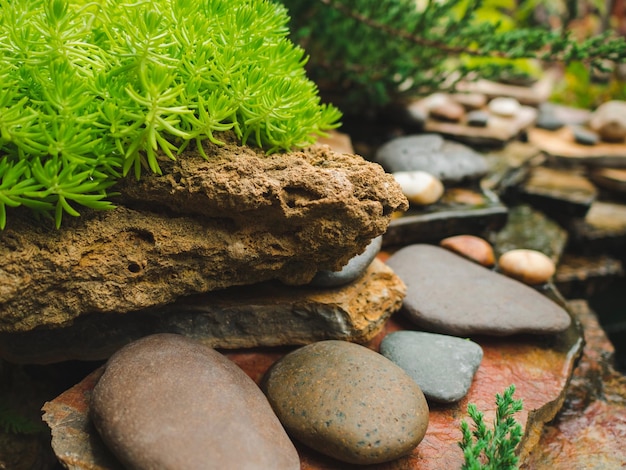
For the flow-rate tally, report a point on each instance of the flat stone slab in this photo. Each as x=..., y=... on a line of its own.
x=583, y=276
x=532, y=95
x=528, y=228
x=460, y=211
x=589, y=430
x=267, y=314
x=449, y=294
x=561, y=145
x=539, y=367
x=603, y=228
x=557, y=191
x=498, y=130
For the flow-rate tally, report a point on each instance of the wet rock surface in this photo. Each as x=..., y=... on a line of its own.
x=347, y=401
x=452, y=295
x=169, y=402
x=589, y=430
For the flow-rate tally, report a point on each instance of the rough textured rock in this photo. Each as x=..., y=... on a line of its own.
x=238, y=218
x=347, y=401
x=169, y=402
x=265, y=314
x=452, y=295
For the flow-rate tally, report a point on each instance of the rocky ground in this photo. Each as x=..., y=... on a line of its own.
x=245, y=255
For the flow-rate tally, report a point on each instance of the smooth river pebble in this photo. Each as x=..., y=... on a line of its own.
x=348, y=402
x=449, y=294
x=419, y=187
x=168, y=402
x=471, y=247
x=443, y=366
x=529, y=266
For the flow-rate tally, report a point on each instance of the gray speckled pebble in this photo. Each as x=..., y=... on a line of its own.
x=168, y=402
x=449, y=294
x=449, y=161
x=351, y=271
x=347, y=401
x=443, y=366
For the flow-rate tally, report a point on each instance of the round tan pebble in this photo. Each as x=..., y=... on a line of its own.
x=470, y=247
x=419, y=187
x=529, y=266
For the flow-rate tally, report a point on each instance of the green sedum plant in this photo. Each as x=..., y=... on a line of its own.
x=93, y=90
x=493, y=449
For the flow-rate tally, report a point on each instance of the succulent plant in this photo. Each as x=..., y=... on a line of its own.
x=93, y=90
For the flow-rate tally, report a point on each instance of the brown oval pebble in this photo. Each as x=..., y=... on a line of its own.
x=347, y=401
x=529, y=266
x=471, y=247
x=172, y=403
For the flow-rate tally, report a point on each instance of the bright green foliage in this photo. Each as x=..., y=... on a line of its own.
x=371, y=52
x=90, y=91
x=487, y=449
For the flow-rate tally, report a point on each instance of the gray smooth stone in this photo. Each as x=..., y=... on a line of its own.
x=351, y=271
x=477, y=118
x=452, y=295
x=585, y=136
x=449, y=161
x=168, y=402
x=443, y=366
x=347, y=401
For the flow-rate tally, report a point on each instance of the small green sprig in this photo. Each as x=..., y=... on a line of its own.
x=486, y=449
x=93, y=90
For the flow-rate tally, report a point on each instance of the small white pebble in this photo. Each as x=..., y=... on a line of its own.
x=505, y=107
x=419, y=187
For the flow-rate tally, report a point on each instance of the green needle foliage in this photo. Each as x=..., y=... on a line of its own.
x=93, y=90
x=371, y=52
x=486, y=449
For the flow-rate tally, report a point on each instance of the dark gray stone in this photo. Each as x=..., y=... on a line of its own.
x=585, y=136
x=443, y=366
x=548, y=118
x=449, y=294
x=477, y=118
x=171, y=403
x=351, y=271
x=449, y=161
x=347, y=401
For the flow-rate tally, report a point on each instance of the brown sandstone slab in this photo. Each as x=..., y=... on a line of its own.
x=557, y=191
x=540, y=368
x=267, y=314
x=590, y=430
x=561, y=145
x=238, y=218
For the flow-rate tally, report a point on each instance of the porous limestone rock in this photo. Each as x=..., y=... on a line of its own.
x=238, y=218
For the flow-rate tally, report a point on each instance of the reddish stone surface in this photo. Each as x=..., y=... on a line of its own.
x=539, y=367
x=590, y=430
